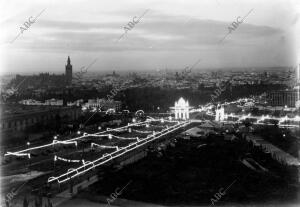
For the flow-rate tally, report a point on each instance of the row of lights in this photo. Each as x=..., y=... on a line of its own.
x=84, y=163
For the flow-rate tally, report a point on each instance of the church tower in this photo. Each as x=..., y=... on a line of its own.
x=68, y=73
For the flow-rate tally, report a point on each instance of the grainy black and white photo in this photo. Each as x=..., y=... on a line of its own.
x=151, y=103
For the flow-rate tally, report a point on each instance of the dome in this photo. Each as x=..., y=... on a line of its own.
x=181, y=102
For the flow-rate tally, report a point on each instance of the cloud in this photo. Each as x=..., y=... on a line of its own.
x=166, y=35
x=160, y=32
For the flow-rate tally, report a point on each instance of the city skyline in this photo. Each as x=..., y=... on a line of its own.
x=165, y=37
x=199, y=101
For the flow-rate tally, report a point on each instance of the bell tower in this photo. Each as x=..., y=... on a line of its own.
x=68, y=72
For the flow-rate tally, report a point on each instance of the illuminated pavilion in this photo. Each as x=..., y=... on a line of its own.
x=181, y=109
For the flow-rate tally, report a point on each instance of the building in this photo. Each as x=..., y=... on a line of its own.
x=220, y=113
x=283, y=98
x=297, y=75
x=54, y=102
x=30, y=102
x=76, y=103
x=287, y=98
x=104, y=104
x=16, y=119
x=181, y=109
x=43, y=81
x=49, y=102
x=68, y=73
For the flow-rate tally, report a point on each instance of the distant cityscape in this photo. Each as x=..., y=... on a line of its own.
x=212, y=108
x=46, y=84
x=278, y=87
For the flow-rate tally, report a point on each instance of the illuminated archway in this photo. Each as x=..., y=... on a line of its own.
x=181, y=109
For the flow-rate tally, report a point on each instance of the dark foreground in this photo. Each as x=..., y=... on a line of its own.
x=193, y=172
